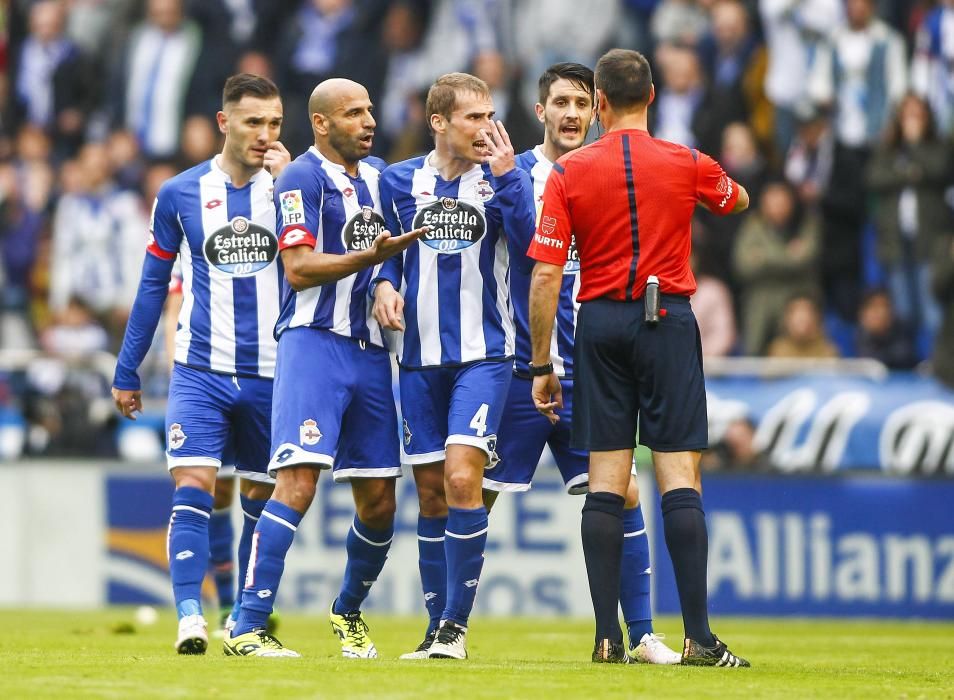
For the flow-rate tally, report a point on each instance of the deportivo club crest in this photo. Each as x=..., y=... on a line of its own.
x=454, y=225
x=483, y=191
x=308, y=433
x=177, y=438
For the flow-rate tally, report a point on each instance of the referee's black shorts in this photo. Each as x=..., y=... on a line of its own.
x=626, y=369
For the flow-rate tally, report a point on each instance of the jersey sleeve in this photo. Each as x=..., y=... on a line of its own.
x=551, y=242
x=391, y=269
x=165, y=233
x=714, y=187
x=515, y=195
x=298, y=195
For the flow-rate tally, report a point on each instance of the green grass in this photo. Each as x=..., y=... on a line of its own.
x=45, y=654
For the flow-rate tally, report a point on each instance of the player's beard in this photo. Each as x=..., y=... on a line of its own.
x=349, y=147
x=564, y=142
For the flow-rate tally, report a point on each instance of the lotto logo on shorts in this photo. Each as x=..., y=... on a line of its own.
x=176, y=437
x=308, y=433
x=293, y=208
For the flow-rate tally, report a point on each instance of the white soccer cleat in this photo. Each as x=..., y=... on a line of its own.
x=193, y=635
x=651, y=650
x=421, y=651
x=450, y=642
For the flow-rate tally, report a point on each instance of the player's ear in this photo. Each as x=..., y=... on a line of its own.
x=223, y=121
x=438, y=124
x=538, y=108
x=652, y=94
x=319, y=124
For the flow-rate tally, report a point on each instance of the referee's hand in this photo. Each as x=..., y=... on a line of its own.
x=548, y=395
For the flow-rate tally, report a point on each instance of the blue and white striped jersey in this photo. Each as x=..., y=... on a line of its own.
x=224, y=237
x=455, y=279
x=321, y=206
x=564, y=328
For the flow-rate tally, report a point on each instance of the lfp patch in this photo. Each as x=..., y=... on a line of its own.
x=293, y=208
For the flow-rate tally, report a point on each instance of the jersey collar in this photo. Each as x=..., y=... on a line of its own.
x=217, y=169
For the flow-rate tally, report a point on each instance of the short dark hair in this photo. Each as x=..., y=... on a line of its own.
x=576, y=73
x=242, y=84
x=442, y=95
x=625, y=78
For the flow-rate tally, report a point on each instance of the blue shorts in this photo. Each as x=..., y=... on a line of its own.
x=443, y=406
x=523, y=434
x=625, y=368
x=333, y=406
x=209, y=414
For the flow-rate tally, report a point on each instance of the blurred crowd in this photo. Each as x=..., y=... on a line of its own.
x=836, y=115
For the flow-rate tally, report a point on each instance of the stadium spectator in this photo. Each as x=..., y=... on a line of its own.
x=775, y=257
x=678, y=22
x=802, y=335
x=157, y=66
x=881, y=335
x=862, y=76
x=55, y=84
x=200, y=141
x=98, y=237
x=808, y=162
x=794, y=30
x=125, y=159
x=713, y=307
x=74, y=332
x=682, y=92
x=932, y=68
x=908, y=175
x=942, y=283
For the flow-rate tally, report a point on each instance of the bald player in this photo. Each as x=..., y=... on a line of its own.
x=332, y=405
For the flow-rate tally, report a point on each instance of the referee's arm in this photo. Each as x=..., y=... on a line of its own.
x=549, y=248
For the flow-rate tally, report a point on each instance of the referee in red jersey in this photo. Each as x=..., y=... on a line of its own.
x=629, y=199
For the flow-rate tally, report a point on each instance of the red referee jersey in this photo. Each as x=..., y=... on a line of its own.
x=629, y=199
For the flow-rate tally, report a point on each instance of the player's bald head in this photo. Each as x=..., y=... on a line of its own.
x=330, y=94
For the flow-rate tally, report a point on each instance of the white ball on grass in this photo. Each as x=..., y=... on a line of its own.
x=146, y=615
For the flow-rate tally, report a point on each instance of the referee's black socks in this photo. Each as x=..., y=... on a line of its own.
x=602, y=531
x=688, y=543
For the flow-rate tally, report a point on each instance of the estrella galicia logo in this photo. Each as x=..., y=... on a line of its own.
x=454, y=225
x=241, y=248
x=361, y=230
x=572, y=265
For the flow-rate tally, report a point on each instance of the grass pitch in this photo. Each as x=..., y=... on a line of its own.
x=105, y=654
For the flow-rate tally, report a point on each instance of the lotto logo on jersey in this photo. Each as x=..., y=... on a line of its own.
x=293, y=208
x=361, y=230
x=454, y=225
x=241, y=248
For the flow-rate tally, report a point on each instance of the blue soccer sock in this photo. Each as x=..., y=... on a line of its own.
x=464, y=548
x=189, y=547
x=634, y=577
x=220, y=556
x=433, y=566
x=273, y=536
x=367, y=552
x=251, y=512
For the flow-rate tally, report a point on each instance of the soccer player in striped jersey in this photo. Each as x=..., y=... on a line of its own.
x=218, y=218
x=333, y=405
x=566, y=110
x=456, y=353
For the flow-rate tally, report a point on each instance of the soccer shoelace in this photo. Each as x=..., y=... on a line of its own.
x=357, y=630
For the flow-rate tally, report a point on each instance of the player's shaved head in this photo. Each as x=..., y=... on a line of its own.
x=330, y=94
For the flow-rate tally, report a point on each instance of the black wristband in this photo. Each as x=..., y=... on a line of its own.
x=540, y=370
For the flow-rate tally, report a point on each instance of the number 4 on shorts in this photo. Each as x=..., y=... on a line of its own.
x=479, y=421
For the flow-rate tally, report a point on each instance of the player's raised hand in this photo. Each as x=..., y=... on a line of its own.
x=502, y=158
x=547, y=395
x=388, y=308
x=386, y=245
x=128, y=402
x=276, y=158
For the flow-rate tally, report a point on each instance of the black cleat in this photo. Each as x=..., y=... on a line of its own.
x=607, y=651
x=694, y=654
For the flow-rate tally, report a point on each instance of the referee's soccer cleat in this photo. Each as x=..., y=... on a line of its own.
x=193, y=635
x=607, y=651
x=352, y=632
x=256, y=643
x=450, y=642
x=421, y=651
x=651, y=650
x=694, y=654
